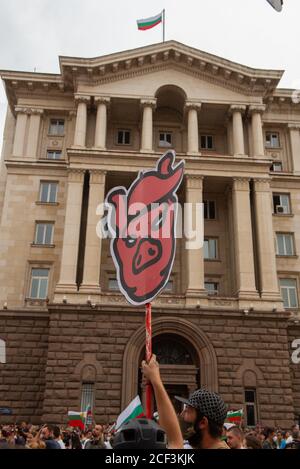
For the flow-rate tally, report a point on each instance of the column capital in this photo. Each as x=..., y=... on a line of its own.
x=75, y=175
x=256, y=109
x=80, y=98
x=22, y=110
x=102, y=100
x=261, y=184
x=240, y=184
x=237, y=108
x=97, y=176
x=36, y=112
x=294, y=126
x=192, y=105
x=148, y=103
x=194, y=181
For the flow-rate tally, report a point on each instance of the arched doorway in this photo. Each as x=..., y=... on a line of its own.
x=179, y=366
x=187, y=358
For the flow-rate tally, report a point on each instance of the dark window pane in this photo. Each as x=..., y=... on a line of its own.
x=209, y=142
x=127, y=138
x=205, y=209
x=250, y=396
x=212, y=210
x=250, y=410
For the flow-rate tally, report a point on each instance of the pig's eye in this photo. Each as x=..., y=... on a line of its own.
x=130, y=242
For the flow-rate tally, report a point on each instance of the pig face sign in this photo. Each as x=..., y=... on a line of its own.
x=142, y=224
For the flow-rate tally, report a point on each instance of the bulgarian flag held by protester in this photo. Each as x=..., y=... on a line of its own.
x=149, y=23
x=235, y=416
x=133, y=411
x=76, y=419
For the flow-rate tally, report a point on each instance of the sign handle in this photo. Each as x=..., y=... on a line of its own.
x=149, y=392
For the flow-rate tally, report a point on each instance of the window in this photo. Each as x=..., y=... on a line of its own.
x=281, y=203
x=113, y=284
x=57, y=127
x=210, y=248
x=87, y=397
x=172, y=350
x=209, y=210
x=285, y=244
x=44, y=233
x=277, y=167
x=251, y=410
x=2, y=351
x=123, y=137
x=39, y=283
x=169, y=287
x=272, y=140
x=212, y=288
x=53, y=155
x=288, y=287
x=207, y=142
x=165, y=139
x=48, y=192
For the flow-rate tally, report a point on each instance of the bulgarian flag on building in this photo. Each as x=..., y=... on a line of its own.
x=149, y=23
x=133, y=411
x=76, y=419
x=235, y=416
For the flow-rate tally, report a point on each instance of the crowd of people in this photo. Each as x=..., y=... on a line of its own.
x=27, y=436
x=201, y=425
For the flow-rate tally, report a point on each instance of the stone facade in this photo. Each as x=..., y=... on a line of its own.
x=94, y=126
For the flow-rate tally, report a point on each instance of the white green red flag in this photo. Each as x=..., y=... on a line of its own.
x=133, y=411
x=149, y=23
x=235, y=416
x=76, y=419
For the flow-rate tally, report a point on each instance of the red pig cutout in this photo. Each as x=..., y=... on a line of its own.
x=142, y=223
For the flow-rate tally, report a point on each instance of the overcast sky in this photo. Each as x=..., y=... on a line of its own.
x=34, y=32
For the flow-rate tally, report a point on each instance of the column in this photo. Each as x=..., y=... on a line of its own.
x=20, y=130
x=101, y=122
x=238, y=130
x=193, y=129
x=294, y=130
x=243, y=242
x=258, y=146
x=147, y=125
x=194, y=257
x=93, y=244
x=265, y=240
x=68, y=270
x=34, y=132
x=81, y=120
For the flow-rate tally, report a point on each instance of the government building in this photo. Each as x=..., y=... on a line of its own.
x=229, y=316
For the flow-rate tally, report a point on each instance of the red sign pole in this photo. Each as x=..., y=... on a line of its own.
x=148, y=358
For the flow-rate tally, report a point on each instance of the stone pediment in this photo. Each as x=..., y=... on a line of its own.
x=170, y=55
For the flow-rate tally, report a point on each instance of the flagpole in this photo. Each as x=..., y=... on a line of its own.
x=148, y=358
x=164, y=25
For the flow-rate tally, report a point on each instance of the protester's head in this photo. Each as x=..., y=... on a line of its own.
x=252, y=442
x=75, y=440
x=39, y=444
x=269, y=433
x=97, y=432
x=56, y=432
x=207, y=412
x=47, y=432
x=140, y=434
x=235, y=438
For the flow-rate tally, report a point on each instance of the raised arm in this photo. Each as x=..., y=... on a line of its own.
x=167, y=415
